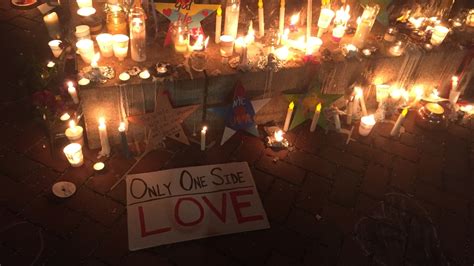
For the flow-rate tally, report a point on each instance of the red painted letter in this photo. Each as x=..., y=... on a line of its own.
x=239, y=205
x=176, y=212
x=222, y=215
x=145, y=233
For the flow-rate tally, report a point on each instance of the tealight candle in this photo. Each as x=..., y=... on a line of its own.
x=84, y=82
x=51, y=21
x=74, y=133
x=289, y=115
x=227, y=46
x=439, y=34
x=366, y=125
x=86, y=11
x=72, y=92
x=99, y=166
x=145, y=74
x=65, y=117
x=124, y=76
x=106, y=45
x=74, y=154
x=55, y=46
x=120, y=46
x=203, y=138
x=82, y=32
x=86, y=50
x=50, y=64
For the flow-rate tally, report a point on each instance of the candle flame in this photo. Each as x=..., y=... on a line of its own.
x=200, y=43
x=95, y=59
x=70, y=84
x=291, y=106
x=318, y=107
x=204, y=129
x=278, y=135
x=72, y=124
x=282, y=53
x=419, y=91
x=405, y=112
x=359, y=93
x=416, y=22
x=50, y=64
x=260, y=4
x=250, y=38
x=122, y=127
x=467, y=108
x=219, y=11
x=295, y=19
x=102, y=121
x=342, y=16
x=435, y=94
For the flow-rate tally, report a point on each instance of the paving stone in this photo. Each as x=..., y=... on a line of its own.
x=22, y=237
x=85, y=239
x=344, y=218
x=293, y=244
x=383, y=129
x=14, y=195
x=403, y=175
x=16, y=165
x=430, y=146
x=119, y=193
x=222, y=153
x=430, y=169
x=263, y=181
x=250, y=150
x=41, y=152
x=376, y=180
x=409, y=139
x=191, y=156
x=314, y=194
x=366, y=205
x=114, y=245
x=343, y=159
x=41, y=180
x=78, y=175
x=143, y=258
x=244, y=248
x=320, y=255
x=278, y=259
x=405, y=152
x=346, y=188
x=352, y=254
x=305, y=223
x=453, y=234
x=30, y=135
x=281, y=169
x=153, y=161
x=278, y=200
x=312, y=163
x=459, y=132
x=361, y=150
x=311, y=142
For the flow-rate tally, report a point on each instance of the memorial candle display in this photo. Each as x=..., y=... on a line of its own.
x=317, y=114
x=72, y=92
x=203, y=138
x=340, y=23
x=281, y=20
x=137, y=17
x=120, y=46
x=104, y=138
x=289, y=115
x=85, y=48
x=325, y=18
x=439, y=34
x=56, y=49
x=106, y=44
x=365, y=23
x=123, y=140
x=261, y=19
x=74, y=154
x=396, y=128
x=74, y=133
x=218, y=25
x=51, y=21
x=232, y=12
x=366, y=125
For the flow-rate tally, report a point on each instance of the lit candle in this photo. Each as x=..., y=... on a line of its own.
x=278, y=136
x=232, y=12
x=314, y=122
x=281, y=22
x=104, y=139
x=120, y=46
x=309, y=19
x=145, y=74
x=324, y=21
x=397, y=49
x=439, y=34
x=313, y=45
x=86, y=11
x=227, y=46
x=123, y=140
x=470, y=18
x=86, y=50
x=84, y=3
x=74, y=133
x=55, y=46
x=340, y=23
x=82, y=32
x=72, y=92
x=396, y=94
x=365, y=23
x=95, y=60
x=244, y=55
x=98, y=167
x=282, y=53
x=137, y=34
x=74, y=154
x=51, y=21
x=350, y=105
x=65, y=117
x=261, y=19
x=181, y=43
x=239, y=43
x=51, y=64
x=84, y=82
x=203, y=138
x=250, y=37
x=289, y=114
x=454, y=93
x=124, y=76
x=360, y=96
x=105, y=42
x=218, y=25
x=396, y=128
x=366, y=125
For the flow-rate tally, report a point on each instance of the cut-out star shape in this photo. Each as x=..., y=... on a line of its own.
x=186, y=11
x=165, y=121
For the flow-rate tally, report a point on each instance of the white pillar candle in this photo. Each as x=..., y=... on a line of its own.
x=281, y=21
x=227, y=46
x=324, y=20
x=56, y=49
x=454, y=93
x=261, y=19
x=120, y=46
x=137, y=37
x=106, y=44
x=360, y=96
x=86, y=50
x=72, y=92
x=366, y=125
x=401, y=118
x=366, y=21
x=314, y=122
x=74, y=154
x=104, y=139
x=74, y=133
x=51, y=21
x=203, y=138
x=309, y=19
x=289, y=114
x=82, y=32
x=439, y=34
x=350, y=104
x=218, y=25
x=232, y=12
x=244, y=55
x=84, y=3
x=337, y=122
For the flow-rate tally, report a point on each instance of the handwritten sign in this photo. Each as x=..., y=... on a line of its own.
x=190, y=203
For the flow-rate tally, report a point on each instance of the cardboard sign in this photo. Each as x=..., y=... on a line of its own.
x=190, y=203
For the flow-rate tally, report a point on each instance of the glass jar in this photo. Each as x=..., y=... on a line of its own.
x=116, y=20
x=232, y=12
x=137, y=27
x=180, y=37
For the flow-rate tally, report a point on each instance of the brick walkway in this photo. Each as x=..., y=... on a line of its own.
x=375, y=201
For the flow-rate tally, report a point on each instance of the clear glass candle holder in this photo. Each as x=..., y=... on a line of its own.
x=227, y=46
x=74, y=154
x=106, y=44
x=198, y=60
x=120, y=46
x=180, y=36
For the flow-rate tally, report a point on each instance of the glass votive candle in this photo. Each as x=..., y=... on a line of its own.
x=82, y=32
x=86, y=50
x=106, y=44
x=180, y=37
x=55, y=46
x=439, y=34
x=84, y=3
x=366, y=125
x=227, y=46
x=198, y=61
x=74, y=154
x=120, y=46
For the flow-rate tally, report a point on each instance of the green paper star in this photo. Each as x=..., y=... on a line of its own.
x=305, y=104
x=382, y=17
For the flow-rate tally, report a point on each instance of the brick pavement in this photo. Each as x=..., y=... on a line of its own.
x=375, y=201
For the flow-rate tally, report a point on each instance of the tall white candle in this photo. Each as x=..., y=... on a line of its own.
x=281, y=22
x=360, y=96
x=261, y=19
x=349, y=111
x=289, y=114
x=232, y=12
x=74, y=154
x=356, y=105
x=104, y=139
x=314, y=122
x=72, y=92
x=366, y=21
x=74, y=133
x=218, y=25
x=51, y=21
x=454, y=93
x=309, y=19
x=203, y=138
x=401, y=118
